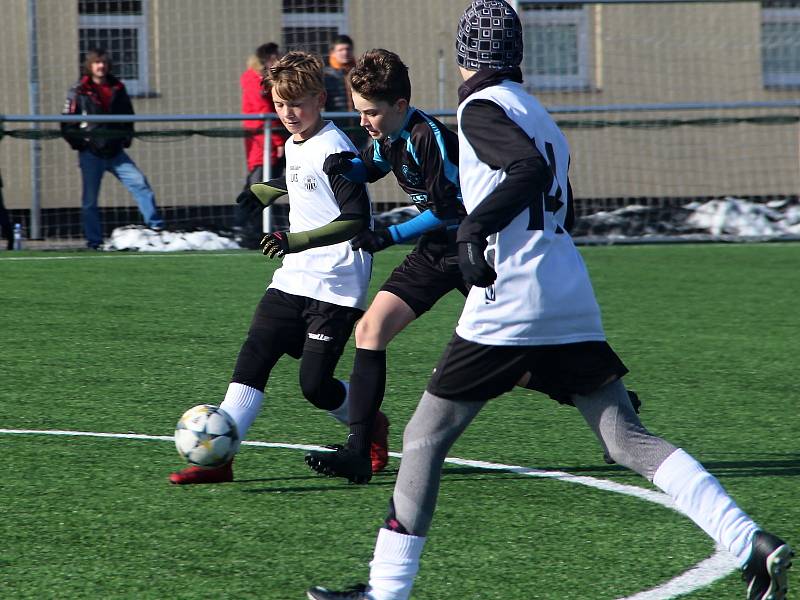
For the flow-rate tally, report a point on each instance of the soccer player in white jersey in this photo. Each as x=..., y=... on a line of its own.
x=319, y=292
x=532, y=312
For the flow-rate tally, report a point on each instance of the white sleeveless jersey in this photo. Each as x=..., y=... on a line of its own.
x=336, y=273
x=542, y=294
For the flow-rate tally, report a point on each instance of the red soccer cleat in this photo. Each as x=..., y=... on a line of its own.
x=379, y=443
x=191, y=475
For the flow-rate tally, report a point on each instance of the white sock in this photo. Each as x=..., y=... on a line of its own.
x=341, y=413
x=243, y=403
x=701, y=497
x=394, y=565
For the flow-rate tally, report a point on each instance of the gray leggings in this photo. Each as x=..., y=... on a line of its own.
x=437, y=423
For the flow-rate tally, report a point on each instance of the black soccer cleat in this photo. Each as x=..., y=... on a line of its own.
x=357, y=592
x=341, y=461
x=765, y=570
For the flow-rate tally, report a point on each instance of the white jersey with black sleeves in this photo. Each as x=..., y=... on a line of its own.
x=336, y=273
x=542, y=294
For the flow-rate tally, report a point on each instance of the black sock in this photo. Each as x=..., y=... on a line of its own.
x=367, y=384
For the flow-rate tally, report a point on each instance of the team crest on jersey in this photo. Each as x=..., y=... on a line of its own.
x=411, y=177
x=310, y=183
x=419, y=199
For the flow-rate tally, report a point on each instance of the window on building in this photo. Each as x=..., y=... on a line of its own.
x=780, y=43
x=311, y=24
x=556, y=38
x=120, y=27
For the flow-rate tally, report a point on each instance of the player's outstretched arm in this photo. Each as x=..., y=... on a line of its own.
x=357, y=168
x=259, y=196
x=280, y=243
x=354, y=217
x=347, y=164
x=374, y=241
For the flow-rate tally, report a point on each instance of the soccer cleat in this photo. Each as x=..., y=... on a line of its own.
x=357, y=592
x=379, y=443
x=191, y=475
x=341, y=461
x=765, y=570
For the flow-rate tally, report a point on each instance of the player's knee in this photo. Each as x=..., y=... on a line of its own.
x=430, y=436
x=368, y=331
x=311, y=387
x=321, y=390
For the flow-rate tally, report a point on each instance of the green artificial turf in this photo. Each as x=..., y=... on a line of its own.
x=124, y=343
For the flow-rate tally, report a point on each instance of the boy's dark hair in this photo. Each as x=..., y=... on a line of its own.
x=264, y=51
x=94, y=55
x=380, y=75
x=341, y=39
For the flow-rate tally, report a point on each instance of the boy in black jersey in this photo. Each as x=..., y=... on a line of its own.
x=423, y=154
x=532, y=313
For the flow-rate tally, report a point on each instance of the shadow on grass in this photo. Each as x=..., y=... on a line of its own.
x=788, y=467
x=732, y=468
x=383, y=479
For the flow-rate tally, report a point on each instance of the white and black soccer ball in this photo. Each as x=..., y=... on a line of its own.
x=206, y=436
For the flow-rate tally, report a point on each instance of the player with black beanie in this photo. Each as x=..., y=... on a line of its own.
x=532, y=310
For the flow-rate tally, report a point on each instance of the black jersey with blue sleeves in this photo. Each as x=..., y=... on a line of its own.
x=423, y=155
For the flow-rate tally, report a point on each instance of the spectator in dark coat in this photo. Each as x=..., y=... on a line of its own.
x=101, y=146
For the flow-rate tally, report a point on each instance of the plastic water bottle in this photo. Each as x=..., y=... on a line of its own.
x=17, y=236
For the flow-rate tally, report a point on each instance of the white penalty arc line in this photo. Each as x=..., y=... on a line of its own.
x=717, y=566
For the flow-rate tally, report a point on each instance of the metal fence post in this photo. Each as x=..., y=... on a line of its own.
x=266, y=225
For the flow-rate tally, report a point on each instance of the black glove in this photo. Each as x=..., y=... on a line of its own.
x=338, y=163
x=473, y=265
x=372, y=241
x=255, y=198
x=249, y=203
x=275, y=245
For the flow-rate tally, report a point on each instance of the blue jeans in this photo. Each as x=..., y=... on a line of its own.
x=124, y=169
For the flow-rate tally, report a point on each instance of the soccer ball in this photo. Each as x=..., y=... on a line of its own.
x=206, y=436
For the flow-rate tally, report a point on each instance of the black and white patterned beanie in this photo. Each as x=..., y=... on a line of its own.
x=489, y=36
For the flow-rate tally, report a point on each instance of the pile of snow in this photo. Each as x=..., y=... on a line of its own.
x=136, y=237
x=733, y=216
x=395, y=216
x=727, y=218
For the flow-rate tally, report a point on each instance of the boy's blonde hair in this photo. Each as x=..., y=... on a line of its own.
x=295, y=75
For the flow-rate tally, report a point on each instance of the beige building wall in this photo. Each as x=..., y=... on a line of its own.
x=680, y=53
x=14, y=154
x=664, y=53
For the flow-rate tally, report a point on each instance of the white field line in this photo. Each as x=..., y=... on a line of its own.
x=718, y=565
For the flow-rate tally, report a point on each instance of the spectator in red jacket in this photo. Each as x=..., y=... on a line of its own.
x=257, y=99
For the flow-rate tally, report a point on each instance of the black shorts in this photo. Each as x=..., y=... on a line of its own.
x=423, y=278
x=304, y=324
x=470, y=371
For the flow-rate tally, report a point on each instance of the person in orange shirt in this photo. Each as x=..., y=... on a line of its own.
x=337, y=85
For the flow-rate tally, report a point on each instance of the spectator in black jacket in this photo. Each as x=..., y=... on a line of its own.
x=337, y=87
x=101, y=146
